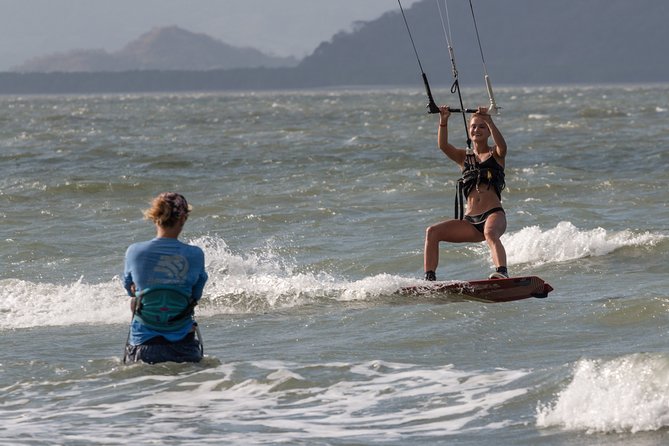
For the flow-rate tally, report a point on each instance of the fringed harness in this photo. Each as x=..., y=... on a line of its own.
x=474, y=174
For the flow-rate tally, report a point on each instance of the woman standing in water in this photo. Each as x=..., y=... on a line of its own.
x=481, y=185
x=165, y=279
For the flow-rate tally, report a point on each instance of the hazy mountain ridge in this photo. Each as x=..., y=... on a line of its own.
x=524, y=42
x=164, y=48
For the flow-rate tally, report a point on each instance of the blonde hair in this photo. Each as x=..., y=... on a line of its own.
x=167, y=209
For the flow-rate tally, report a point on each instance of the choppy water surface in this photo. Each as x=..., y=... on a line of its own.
x=311, y=208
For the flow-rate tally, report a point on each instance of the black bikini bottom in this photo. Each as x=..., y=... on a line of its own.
x=479, y=220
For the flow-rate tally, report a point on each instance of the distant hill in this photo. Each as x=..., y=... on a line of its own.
x=165, y=48
x=524, y=41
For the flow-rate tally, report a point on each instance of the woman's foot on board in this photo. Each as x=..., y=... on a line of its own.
x=500, y=273
x=430, y=276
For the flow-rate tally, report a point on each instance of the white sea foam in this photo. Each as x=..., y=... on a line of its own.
x=626, y=394
x=248, y=282
x=253, y=282
x=566, y=242
x=286, y=402
x=27, y=304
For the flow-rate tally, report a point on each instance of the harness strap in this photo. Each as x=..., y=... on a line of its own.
x=186, y=312
x=459, y=200
x=199, y=337
x=470, y=160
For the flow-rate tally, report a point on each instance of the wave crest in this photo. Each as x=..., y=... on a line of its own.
x=626, y=394
x=566, y=242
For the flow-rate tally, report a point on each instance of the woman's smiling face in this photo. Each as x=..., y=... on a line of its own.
x=478, y=129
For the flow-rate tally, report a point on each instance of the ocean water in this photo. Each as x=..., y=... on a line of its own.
x=311, y=208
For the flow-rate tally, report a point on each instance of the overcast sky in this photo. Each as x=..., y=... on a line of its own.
x=31, y=28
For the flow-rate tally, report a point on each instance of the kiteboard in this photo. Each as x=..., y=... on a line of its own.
x=491, y=290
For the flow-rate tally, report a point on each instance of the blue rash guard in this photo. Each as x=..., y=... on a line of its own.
x=163, y=262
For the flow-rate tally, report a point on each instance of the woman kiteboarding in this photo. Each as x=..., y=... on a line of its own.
x=482, y=168
x=481, y=185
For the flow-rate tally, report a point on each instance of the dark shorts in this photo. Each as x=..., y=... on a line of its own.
x=479, y=220
x=160, y=349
